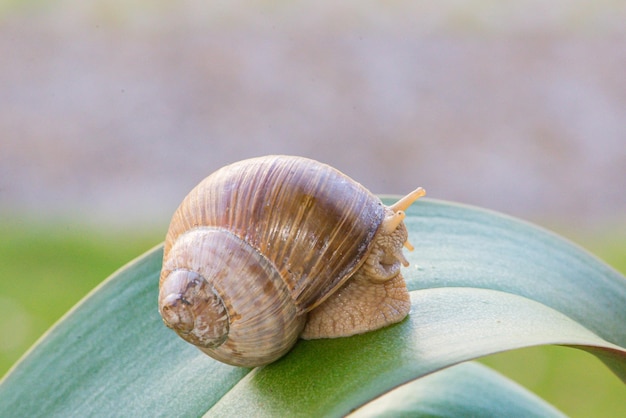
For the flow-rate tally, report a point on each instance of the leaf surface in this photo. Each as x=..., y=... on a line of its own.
x=481, y=283
x=465, y=390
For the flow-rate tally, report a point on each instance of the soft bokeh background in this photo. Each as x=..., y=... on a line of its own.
x=110, y=111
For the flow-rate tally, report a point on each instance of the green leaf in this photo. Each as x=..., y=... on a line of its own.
x=465, y=390
x=462, y=246
x=446, y=326
x=481, y=283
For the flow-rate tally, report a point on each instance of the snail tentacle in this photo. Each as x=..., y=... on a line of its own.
x=396, y=214
x=404, y=203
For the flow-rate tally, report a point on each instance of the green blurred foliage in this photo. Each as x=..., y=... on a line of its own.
x=45, y=269
x=574, y=381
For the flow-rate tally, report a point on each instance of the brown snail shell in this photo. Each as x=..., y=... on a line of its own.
x=258, y=245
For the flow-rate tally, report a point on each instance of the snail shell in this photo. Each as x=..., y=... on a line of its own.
x=272, y=248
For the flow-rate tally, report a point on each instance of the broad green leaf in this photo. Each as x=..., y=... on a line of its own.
x=446, y=326
x=475, y=292
x=112, y=353
x=465, y=390
x=458, y=246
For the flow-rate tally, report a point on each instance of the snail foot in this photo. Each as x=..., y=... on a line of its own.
x=359, y=306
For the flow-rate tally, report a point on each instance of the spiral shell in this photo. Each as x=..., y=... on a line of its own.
x=256, y=246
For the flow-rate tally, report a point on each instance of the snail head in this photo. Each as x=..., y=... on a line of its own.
x=189, y=306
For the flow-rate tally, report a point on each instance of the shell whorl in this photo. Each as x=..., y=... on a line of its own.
x=233, y=300
x=193, y=310
x=307, y=218
x=272, y=237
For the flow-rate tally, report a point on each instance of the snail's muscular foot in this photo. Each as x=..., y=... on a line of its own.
x=359, y=306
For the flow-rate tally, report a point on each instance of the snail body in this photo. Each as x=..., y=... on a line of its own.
x=270, y=249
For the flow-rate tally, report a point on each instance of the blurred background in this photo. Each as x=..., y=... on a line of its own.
x=111, y=111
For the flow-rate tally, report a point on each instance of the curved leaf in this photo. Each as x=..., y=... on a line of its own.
x=446, y=326
x=463, y=246
x=464, y=390
x=479, y=294
x=112, y=353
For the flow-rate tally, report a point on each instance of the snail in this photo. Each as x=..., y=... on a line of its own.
x=270, y=249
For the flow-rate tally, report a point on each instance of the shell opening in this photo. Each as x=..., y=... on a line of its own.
x=189, y=306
